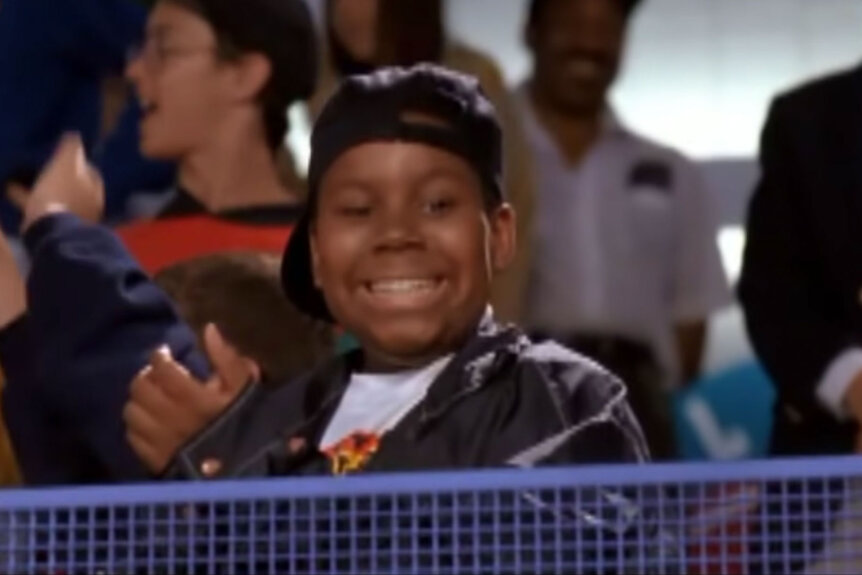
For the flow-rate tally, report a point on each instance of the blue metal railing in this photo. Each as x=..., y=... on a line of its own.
x=751, y=517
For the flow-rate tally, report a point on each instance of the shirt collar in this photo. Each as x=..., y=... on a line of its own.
x=184, y=204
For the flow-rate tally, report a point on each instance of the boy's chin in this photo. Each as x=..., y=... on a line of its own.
x=159, y=151
x=161, y=147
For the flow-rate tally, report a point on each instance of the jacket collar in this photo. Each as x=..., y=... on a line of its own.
x=491, y=347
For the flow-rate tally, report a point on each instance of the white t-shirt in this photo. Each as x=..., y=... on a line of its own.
x=375, y=403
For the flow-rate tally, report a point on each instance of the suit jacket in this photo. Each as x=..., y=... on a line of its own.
x=801, y=285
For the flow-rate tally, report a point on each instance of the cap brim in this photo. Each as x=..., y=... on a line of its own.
x=297, y=277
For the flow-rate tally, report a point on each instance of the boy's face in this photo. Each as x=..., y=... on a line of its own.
x=404, y=250
x=179, y=81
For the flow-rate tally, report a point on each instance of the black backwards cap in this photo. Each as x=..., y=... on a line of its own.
x=426, y=104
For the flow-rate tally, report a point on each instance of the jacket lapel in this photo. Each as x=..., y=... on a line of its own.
x=842, y=166
x=323, y=393
x=491, y=349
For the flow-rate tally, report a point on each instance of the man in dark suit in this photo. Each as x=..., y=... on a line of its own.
x=801, y=289
x=801, y=285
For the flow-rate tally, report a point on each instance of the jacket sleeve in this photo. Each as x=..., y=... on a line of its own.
x=31, y=430
x=249, y=439
x=226, y=443
x=92, y=35
x=787, y=308
x=597, y=428
x=94, y=318
x=598, y=425
x=124, y=170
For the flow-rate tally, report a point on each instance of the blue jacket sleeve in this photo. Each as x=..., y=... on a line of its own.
x=93, y=35
x=95, y=317
x=32, y=430
x=46, y=455
x=53, y=57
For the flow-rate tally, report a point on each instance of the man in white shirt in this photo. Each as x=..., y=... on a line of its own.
x=626, y=267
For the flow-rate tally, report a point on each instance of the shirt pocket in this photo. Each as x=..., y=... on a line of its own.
x=651, y=223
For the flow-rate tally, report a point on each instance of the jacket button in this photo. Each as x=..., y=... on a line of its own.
x=210, y=467
x=296, y=445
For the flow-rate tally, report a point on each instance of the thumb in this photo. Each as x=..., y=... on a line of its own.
x=70, y=155
x=18, y=195
x=70, y=151
x=233, y=369
x=69, y=159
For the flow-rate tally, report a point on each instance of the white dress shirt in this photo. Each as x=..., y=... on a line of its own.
x=617, y=254
x=837, y=379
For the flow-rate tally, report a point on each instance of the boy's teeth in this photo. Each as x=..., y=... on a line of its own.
x=401, y=286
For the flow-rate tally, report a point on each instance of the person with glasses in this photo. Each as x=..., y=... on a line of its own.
x=215, y=80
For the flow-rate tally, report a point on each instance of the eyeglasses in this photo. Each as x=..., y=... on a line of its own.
x=154, y=52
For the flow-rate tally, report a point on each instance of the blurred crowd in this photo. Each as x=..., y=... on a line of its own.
x=180, y=110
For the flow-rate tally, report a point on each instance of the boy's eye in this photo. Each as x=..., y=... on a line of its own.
x=354, y=211
x=438, y=206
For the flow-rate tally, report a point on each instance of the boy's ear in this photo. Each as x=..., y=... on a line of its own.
x=504, y=237
x=251, y=73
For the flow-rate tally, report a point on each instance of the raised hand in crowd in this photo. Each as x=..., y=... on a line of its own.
x=68, y=183
x=168, y=406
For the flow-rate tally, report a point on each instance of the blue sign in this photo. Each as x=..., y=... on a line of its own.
x=725, y=416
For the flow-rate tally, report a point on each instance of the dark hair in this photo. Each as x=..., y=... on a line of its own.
x=411, y=32
x=407, y=33
x=537, y=8
x=285, y=36
x=241, y=293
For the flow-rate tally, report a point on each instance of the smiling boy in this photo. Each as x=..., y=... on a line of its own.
x=405, y=229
